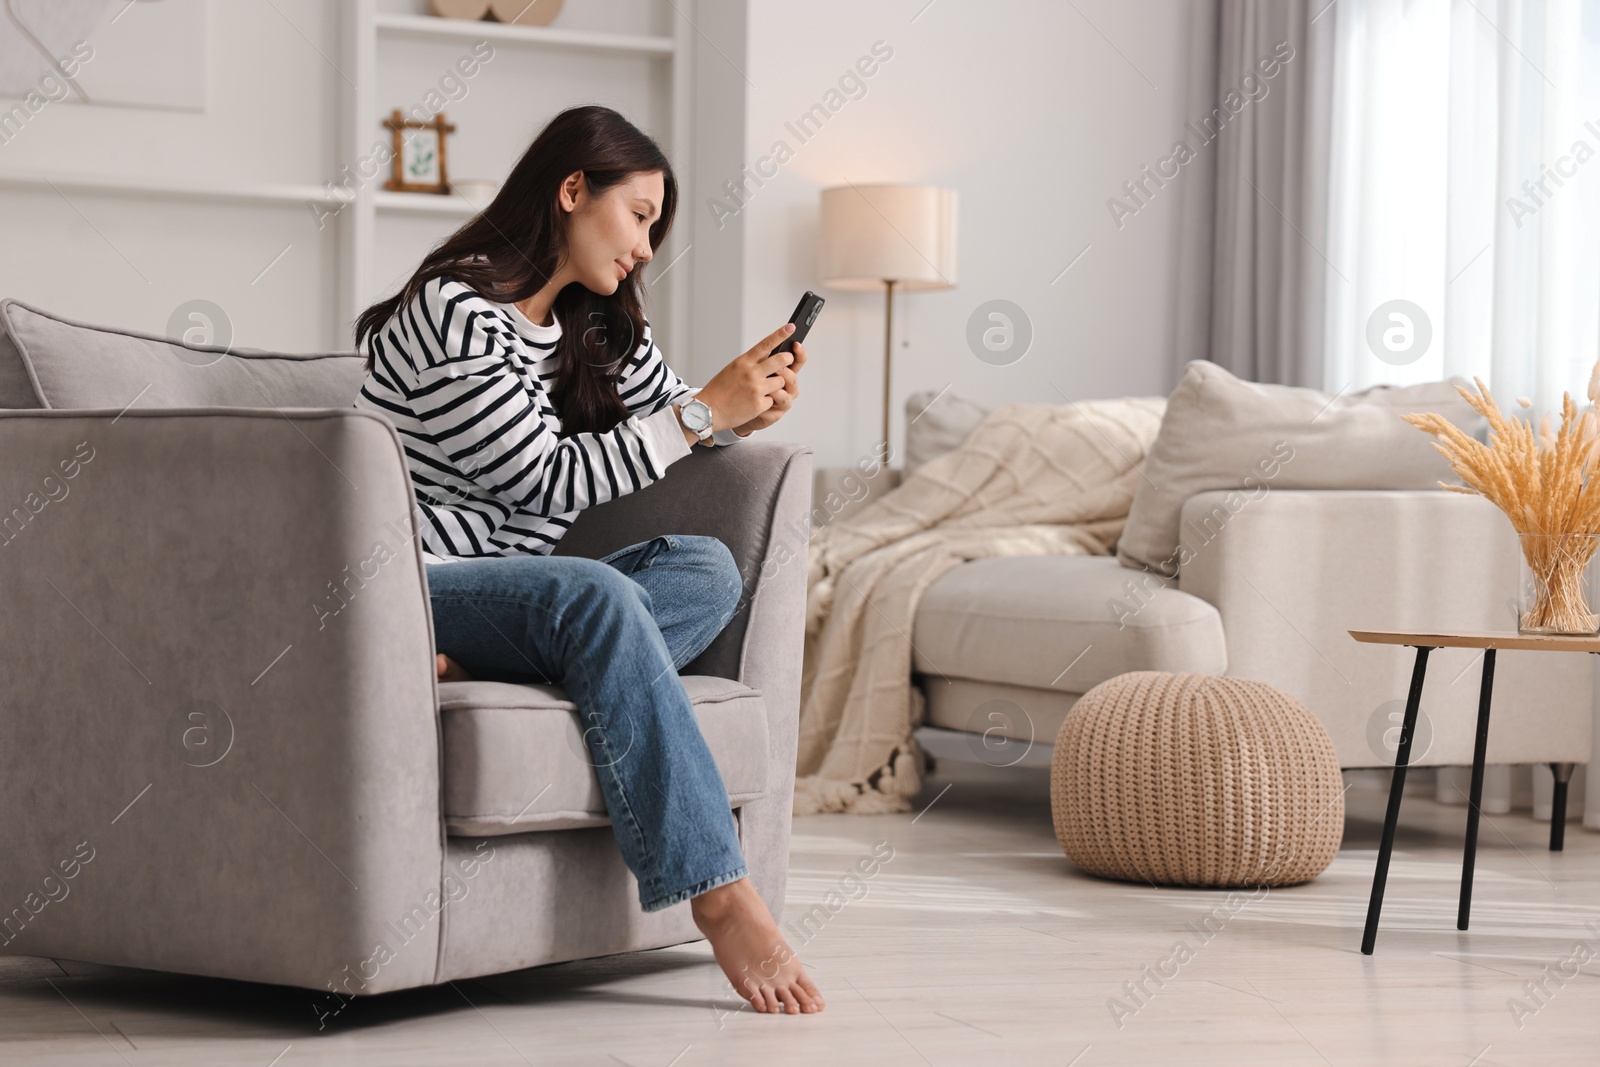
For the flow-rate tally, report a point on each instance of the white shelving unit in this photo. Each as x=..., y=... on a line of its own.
x=164, y=190
x=383, y=234
x=415, y=204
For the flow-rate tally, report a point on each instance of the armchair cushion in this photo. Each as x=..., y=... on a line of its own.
x=51, y=362
x=515, y=760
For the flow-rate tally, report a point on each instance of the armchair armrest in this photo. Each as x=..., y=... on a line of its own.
x=219, y=688
x=755, y=497
x=1292, y=571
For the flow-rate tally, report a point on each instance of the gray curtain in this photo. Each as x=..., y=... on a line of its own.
x=1253, y=209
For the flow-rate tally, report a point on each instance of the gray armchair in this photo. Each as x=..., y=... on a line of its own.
x=225, y=750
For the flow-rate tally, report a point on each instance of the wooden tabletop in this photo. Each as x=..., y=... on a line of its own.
x=1533, y=642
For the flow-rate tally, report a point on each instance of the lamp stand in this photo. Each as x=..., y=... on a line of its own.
x=888, y=331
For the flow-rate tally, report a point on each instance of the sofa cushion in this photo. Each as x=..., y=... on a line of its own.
x=1220, y=432
x=515, y=759
x=936, y=423
x=992, y=710
x=1061, y=622
x=47, y=361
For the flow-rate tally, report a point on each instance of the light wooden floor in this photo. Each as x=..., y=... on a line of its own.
x=976, y=944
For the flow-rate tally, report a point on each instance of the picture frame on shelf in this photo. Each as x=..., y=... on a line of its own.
x=419, y=163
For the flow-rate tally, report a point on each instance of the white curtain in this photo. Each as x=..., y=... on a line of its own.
x=1465, y=180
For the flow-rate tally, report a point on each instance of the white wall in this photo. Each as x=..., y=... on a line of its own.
x=271, y=118
x=1036, y=119
x=715, y=260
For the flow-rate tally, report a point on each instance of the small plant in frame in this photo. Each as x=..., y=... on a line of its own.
x=424, y=162
x=419, y=154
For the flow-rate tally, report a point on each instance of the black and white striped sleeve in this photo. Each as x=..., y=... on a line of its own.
x=499, y=426
x=648, y=385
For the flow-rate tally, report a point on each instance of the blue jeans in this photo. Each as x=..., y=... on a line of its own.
x=613, y=633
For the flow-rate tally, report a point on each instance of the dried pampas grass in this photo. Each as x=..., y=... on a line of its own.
x=1545, y=481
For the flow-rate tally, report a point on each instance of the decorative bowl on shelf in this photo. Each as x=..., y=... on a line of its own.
x=525, y=12
x=471, y=10
x=477, y=191
x=520, y=12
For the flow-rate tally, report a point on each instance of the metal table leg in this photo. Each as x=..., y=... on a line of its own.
x=1397, y=788
x=1469, y=855
x=1558, y=805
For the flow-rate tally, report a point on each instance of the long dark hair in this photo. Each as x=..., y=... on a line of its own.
x=511, y=249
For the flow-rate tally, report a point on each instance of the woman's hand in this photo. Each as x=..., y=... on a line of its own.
x=782, y=400
x=752, y=384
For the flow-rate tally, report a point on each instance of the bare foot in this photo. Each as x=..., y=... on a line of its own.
x=450, y=670
x=751, y=952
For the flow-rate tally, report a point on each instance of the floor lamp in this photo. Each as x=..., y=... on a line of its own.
x=890, y=237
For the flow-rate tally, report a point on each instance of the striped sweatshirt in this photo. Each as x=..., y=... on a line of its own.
x=467, y=383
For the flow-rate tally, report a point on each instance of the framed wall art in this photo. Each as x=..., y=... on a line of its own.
x=419, y=154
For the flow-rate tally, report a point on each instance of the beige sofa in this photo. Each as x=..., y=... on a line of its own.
x=224, y=750
x=1004, y=647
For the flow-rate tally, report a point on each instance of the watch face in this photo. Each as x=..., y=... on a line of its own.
x=696, y=415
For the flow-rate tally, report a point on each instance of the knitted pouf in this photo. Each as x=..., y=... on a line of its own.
x=1197, y=780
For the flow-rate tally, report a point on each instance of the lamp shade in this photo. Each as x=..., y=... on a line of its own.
x=900, y=233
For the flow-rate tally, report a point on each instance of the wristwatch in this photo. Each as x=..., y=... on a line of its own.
x=696, y=415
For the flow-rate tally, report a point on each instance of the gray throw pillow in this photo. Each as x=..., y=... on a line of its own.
x=16, y=390
x=53, y=362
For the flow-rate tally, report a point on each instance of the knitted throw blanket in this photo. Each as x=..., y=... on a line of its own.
x=1030, y=480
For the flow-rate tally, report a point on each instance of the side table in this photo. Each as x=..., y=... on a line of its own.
x=1425, y=643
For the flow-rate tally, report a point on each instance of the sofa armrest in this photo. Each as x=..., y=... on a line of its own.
x=221, y=709
x=1292, y=571
x=755, y=497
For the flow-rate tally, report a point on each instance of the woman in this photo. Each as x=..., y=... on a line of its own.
x=520, y=372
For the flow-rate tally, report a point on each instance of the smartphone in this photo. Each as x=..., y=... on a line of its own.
x=805, y=313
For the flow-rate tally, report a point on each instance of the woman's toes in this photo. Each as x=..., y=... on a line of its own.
x=754, y=994
x=790, y=1004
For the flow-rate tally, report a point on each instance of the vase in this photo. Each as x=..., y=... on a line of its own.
x=1556, y=586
